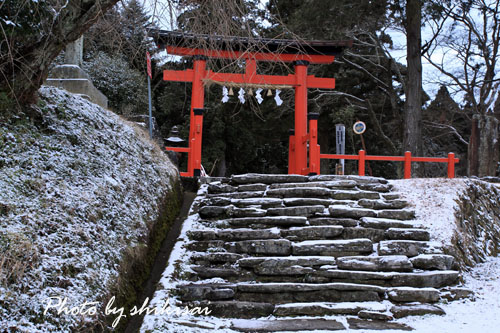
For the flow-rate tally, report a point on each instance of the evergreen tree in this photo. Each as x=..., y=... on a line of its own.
x=135, y=23
x=115, y=56
x=369, y=81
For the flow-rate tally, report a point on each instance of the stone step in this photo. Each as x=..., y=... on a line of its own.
x=252, y=187
x=433, y=261
x=237, y=309
x=237, y=195
x=285, y=265
x=278, y=288
x=382, y=204
x=324, y=221
x=396, y=214
x=216, y=272
x=326, y=308
x=288, y=325
x=357, y=213
x=351, y=212
x=375, y=235
x=401, y=311
x=408, y=248
x=278, y=293
x=257, y=202
x=409, y=294
x=375, y=263
x=433, y=279
x=206, y=291
x=215, y=201
x=374, y=315
x=234, y=234
x=215, y=211
x=335, y=248
x=203, y=246
x=391, y=196
x=357, y=179
x=312, y=233
x=384, y=223
x=296, y=211
x=384, y=188
x=248, y=212
x=267, y=179
x=358, y=324
x=328, y=184
x=265, y=247
x=306, y=261
x=354, y=195
x=407, y=234
x=290, y=202
x=281, y=221
x=209, y=212
x=221, y=188
x=216, y=257
x=299, y=192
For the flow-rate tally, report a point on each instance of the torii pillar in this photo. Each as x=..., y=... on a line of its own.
x=300, y=164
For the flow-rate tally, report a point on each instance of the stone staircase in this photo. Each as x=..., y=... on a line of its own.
x=290, y=253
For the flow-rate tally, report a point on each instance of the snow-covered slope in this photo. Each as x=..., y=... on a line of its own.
x=464, y=214
x=75, y=192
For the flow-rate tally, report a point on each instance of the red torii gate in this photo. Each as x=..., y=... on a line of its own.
x=300, y=53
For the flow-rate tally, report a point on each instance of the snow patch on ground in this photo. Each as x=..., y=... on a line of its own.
x=481, y=315
x=434, y=201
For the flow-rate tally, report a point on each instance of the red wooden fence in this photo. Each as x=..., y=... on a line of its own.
x=407, y=159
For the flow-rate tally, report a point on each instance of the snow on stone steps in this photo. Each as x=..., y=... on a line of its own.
x=389, y=223
x=326, y=308
x=333, y=247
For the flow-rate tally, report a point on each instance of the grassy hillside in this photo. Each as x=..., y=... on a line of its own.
x=80, y=194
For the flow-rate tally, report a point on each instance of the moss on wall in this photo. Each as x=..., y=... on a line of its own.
x=137, y=262
x=478, y=224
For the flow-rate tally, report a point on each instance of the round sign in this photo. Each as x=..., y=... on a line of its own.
x=359, y=127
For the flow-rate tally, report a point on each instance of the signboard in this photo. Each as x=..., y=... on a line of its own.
x=359, y=127
x=340, y=138
x=148, y=60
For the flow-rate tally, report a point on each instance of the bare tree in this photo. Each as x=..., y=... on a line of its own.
x=33, y=34
x=465, y=50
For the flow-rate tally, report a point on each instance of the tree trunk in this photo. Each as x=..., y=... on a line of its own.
x=221, y=168
x=412, y=140
x=25, y=70
x=483, y=151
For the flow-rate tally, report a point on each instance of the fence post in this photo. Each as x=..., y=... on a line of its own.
x=361, y=164
x=291, y=152
x=407, y=165
x=451, y=165
x=314, y=159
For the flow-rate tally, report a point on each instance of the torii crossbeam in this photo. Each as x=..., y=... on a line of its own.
x=301, y=54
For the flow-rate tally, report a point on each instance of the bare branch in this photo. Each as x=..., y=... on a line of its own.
x=452, y=130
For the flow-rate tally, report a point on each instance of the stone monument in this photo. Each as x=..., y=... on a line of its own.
x=73, y=78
